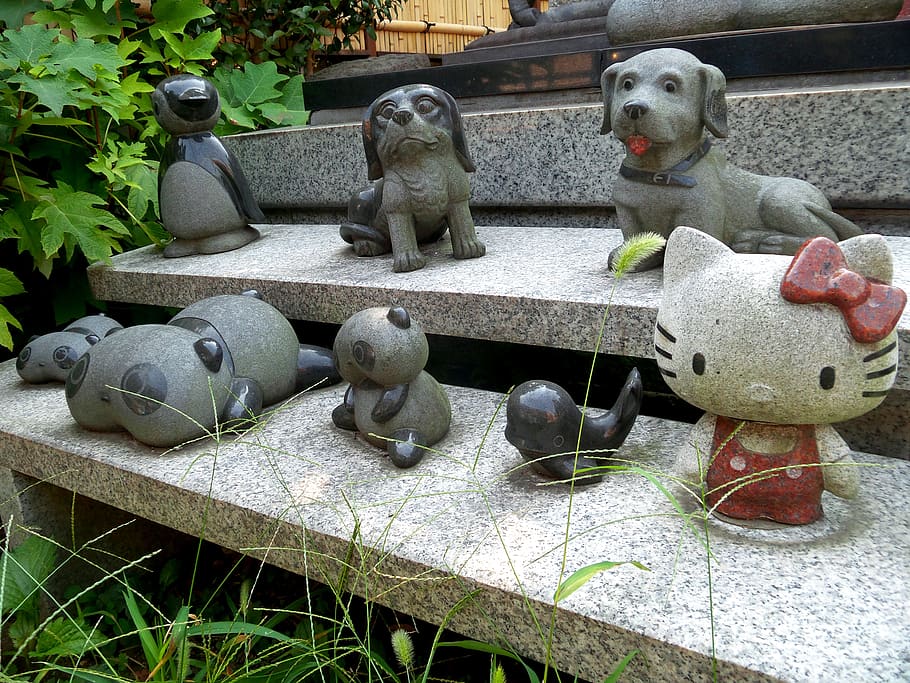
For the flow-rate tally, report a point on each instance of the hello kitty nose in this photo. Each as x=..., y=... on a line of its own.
x=760, y=392
x=402, y=117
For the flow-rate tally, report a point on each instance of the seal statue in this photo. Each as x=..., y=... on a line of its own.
x=543, y=422
x=203, y=196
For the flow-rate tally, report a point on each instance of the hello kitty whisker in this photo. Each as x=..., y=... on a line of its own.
x=666, y=334
x=661, y=352
x=881, y=352
x=882, y=373
x=875, y=394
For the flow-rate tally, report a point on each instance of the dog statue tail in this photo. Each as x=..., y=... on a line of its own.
x=843, y=228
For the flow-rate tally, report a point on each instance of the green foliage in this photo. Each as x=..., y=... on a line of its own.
x=287, y=32
x=78, y=140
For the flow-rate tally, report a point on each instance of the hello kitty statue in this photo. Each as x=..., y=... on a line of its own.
x=776, y=348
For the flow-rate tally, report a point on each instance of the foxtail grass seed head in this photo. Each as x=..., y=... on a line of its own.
x=498, y=676
x=635, y=250
x=403, y=647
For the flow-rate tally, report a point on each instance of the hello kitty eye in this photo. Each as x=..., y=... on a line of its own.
x=827, y=377
x=698, y=364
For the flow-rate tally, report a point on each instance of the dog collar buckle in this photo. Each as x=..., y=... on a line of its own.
x=662, y=178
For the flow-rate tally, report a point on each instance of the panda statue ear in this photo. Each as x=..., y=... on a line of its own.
x=399, y=317
x=210, y=353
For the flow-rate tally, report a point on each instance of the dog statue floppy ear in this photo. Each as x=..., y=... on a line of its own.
x=458, y=138
x=714, y=105
x=607, y=79
x=374, y=165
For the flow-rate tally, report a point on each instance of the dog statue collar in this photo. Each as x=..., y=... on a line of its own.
x=672, y=176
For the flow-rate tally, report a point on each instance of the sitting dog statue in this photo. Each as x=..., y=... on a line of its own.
x=658, y=103
x=419, y=163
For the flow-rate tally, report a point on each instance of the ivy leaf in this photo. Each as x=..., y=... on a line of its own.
x=7, y=319
x=192, y=49
x=54, y=92
x=9, y=283
x=30, y=44
x=13, y=12
x=74, y=214
x=95, y=22
x=88, y=57
x=256, y=83
x=172, y=16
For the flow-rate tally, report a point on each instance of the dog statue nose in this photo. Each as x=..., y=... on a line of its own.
x=635, y=109
x=402, y=116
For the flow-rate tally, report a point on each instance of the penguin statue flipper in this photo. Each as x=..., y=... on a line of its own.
x=235, y=182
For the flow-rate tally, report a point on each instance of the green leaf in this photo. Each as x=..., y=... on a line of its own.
x=30, y=44
x=620, y=668
x=9, y=283
x=73, y=214
x=194, y=49
x=88, y=57
x=580, y=577
x=172, y=16
x=12, y=12
x=238, y=116
x=26, y=567
x=96, y=22
x=143, y=183
x=54, y=93
x=6, y=339
x=63, y=637
x=256, y=83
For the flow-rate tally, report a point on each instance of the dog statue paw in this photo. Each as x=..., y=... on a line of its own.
x=776, y=348
x=204, y=198
x=545, y=425
x=418, y=160
x=660, y=103
x=219, y=360
x=50, y=357
x=391, y=401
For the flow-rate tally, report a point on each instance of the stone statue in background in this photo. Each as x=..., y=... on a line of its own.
x=776, y=348
x=632, y=21
x=204, y=198
x=418, y=160
x=50, y=357
x=545, y=425
x=391, y=401
x=660, y=103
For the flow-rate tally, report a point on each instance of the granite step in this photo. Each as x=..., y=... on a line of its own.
x=539, y=286
x=818, y=603
x=846, y=139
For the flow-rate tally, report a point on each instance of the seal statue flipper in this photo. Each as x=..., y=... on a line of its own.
x=610, y=430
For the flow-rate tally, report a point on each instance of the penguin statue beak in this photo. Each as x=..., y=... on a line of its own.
x=193, y=97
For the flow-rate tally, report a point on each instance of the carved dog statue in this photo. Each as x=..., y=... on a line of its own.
x=419, y=163
x=659, y=103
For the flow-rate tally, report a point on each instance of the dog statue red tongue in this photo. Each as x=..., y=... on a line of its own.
x=638, y=144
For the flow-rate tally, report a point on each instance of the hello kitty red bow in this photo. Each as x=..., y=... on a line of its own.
x=818, y=274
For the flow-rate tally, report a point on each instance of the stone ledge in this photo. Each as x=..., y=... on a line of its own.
x=819, y=603
x=847, y=140
x=540, y=286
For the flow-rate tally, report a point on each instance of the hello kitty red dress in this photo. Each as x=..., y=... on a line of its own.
x=790, y=496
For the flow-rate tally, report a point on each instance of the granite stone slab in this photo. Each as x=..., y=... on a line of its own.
x=850, y=141
x=539, y=286
x=818, y=603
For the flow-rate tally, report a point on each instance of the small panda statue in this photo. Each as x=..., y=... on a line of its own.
x=50, y=357
x=204, y=198
x=219, y=360
x=775, y=349
x=391, y=401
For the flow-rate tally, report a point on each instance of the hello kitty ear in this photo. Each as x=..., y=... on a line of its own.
x=689, y=251
x=870, y=256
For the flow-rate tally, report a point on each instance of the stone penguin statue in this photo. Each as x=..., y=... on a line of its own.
x=545, y=425
x=776, y=348
x=382, y=353
x=50, y=357
x=204, y=198
x=218, y=360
